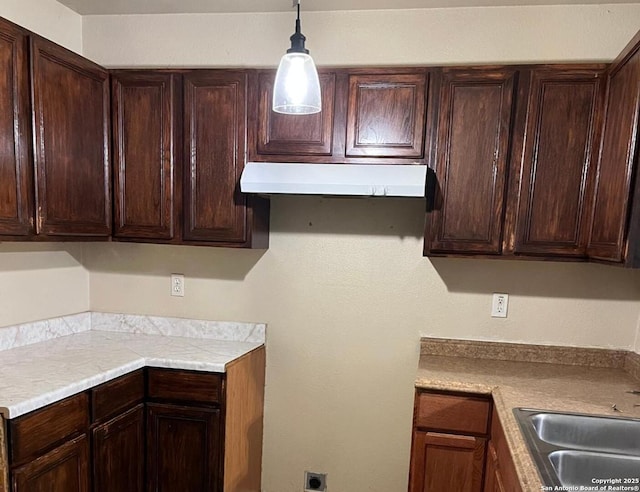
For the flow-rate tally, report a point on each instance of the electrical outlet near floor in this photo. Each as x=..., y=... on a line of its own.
x=315, y=482
x=177, y=284
x=499, y=305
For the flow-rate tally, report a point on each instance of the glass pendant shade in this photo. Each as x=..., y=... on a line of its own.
x=297, y=87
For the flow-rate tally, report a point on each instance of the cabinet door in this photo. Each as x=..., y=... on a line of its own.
x=16, y=176
x=492, y=476
x=215, y=122
x=144, y=126
x=387, y=115
x=446, y=463
x=505, y=477
x=183, y=449
x=118, y=453
x=558, y=161
x=72, y=140
x=65, y=469
x=476, y=109
x=295, y=135
x=616, y=165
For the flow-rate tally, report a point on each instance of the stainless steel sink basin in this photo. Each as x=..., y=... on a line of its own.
x=579, y=468
x=611, y=435
x=571, y=450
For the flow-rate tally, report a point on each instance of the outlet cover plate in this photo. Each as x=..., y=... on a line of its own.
x=313, y=478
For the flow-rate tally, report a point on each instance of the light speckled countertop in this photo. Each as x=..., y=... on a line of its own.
x=35, y=375
x=534, y=385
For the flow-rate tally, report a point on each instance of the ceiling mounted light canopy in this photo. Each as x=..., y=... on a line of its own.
x=297, y=87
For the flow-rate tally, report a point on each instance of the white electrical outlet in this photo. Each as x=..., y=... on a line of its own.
x=499, y=305
x=177, y=284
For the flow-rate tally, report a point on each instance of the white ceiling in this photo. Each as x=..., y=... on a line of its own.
x=88, y=7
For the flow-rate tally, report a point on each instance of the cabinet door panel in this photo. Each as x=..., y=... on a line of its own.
x=557, y=173
x=215, y=123
x=71, y=124
x=183, y=449
x=386, y=115
x=492, y=477
x=295, y=134
x=16, y=176
x=65, y=469
x=471, y=163
x=118, y=453
x=618, y=155
x=446, y=463
x=144, y=113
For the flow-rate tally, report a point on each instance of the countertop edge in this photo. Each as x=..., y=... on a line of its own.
x=41, y=401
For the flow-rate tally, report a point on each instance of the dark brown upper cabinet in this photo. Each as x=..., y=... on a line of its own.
x=293, y=136
x=386, y=115
x=179, y=151
x=72, y=142
x=145, y=108
x=373, y=116
x=556, y=158
x=615, y=227
x=515, y=163
x=16, y=172
x=476, y=107
x=214, y=209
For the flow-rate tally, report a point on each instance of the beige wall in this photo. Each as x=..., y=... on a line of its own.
x=439, y=36
x=47, y=18
x=40, y=281
x=344, y=287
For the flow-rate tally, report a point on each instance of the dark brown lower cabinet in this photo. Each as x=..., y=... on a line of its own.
x=447, y=462
x=153, y=430
x=118, y=451
x=65, y=469
x=183, y=449
x=459, y=446
x=449, y=441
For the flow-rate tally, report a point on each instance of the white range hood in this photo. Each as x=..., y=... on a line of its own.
x=334, y=179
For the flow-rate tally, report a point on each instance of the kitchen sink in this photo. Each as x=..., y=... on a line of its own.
x=571, y=450
x=579, y=468
x=611, y=435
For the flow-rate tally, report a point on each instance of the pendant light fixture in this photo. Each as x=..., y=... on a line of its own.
x=297, y=87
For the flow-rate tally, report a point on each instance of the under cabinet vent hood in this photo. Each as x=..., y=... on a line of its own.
x=334, y=179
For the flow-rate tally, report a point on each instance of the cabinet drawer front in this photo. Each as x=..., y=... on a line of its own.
x=115, y=396
x=452, y=413
x=35, y=433
x=188, y=386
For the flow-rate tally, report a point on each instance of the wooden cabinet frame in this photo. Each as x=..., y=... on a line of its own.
x=230, y=405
